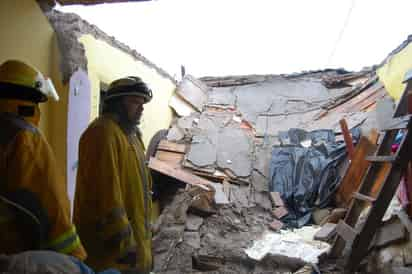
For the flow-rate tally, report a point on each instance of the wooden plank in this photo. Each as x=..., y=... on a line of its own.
x=357, y=168
x=170, y=146
x=172, y=158
x=178, y=173
x=348, y=138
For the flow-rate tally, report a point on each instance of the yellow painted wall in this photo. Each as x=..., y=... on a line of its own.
x=106, y=63
x=27, y=35
x=393, y=72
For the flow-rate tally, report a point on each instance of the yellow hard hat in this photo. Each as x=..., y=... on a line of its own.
x=21, y=81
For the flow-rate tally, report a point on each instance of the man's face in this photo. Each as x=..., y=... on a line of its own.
x=134, y=108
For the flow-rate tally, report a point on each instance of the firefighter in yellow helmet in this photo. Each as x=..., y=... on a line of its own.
x=34, y=205
x=113, y=202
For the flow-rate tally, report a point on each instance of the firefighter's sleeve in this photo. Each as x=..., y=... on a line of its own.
x=34, y=169
x=99, y=167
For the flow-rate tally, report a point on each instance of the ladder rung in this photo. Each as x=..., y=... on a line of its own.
x=381, y=159
x=347, y=232
x=363, y=197
x=397, y=123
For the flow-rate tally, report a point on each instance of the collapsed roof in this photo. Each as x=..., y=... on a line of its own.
x=228, y=128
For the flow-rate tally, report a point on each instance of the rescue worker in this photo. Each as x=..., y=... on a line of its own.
x=34, y=205
x=113, y=202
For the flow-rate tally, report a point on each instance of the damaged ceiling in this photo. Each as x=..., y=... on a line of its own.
x=230, y=134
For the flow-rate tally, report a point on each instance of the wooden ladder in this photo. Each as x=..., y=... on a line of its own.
x=353, y=240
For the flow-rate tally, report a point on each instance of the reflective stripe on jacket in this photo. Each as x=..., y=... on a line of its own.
x=113, y=202
x=27, y=163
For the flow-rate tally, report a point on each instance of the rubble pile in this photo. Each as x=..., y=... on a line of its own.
x=224, y=139
x=188, y=243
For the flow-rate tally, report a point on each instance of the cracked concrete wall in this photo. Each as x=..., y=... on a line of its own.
x=84, y=46
x=116, y=64
x=279, y=96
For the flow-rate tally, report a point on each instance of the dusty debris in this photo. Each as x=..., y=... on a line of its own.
x=193, y=222
x=223, y=238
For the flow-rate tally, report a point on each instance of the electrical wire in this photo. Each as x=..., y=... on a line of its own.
x=338, y=40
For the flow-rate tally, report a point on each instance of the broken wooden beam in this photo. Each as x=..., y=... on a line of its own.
x=348, y=138
x=171, y=146
x=178, y=173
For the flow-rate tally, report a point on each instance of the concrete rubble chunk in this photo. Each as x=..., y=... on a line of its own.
x=222, y=96
x=188, y=122
x=239, y=196
x=326, y=233
x=213, y=121
x=261, y=199
x=334, y=217
x=234, y=152
x=262, y=159
x=276, y=225
x=203, y=202
x=175, y=134
x=259, y=182
x=276, y=199
x=202, y=152
x=279, y=95
x=193, y=91
x=180, y=106
x=390, y=232
x=193, y=222
x=192, y=239
x=280, y=212
x=320, y=214
x=220, y=196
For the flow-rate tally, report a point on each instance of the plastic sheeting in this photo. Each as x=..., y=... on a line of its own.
x=305, y=170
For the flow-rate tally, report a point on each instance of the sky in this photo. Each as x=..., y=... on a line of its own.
x=239, y=37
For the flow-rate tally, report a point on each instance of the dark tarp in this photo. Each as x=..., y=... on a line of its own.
x=306, y=176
